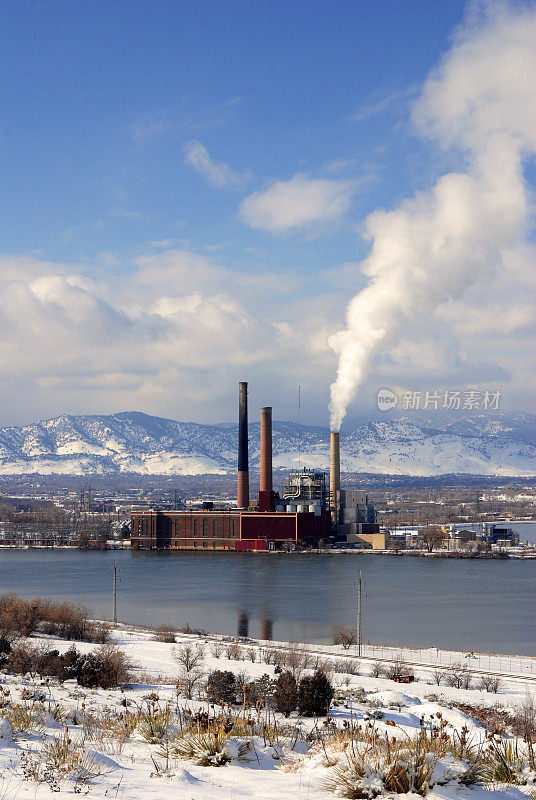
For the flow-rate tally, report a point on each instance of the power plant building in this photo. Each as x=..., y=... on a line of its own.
x=305, y=514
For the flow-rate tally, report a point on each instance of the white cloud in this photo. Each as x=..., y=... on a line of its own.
x=298, y=203
x=170, y=338
x=217, y=174
x=379, y=106
x=147, y=127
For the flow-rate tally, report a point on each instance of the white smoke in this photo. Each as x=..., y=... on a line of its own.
x=481, y=100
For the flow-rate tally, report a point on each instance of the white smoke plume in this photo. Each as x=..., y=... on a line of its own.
x=480, y=102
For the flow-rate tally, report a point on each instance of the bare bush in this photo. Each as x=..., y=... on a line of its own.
x=346, y=666
x=233, y=651
x=490, y=683
x=439, y=676
x=189, y=656
x=459, y=676
x=216, y=649
x=188, y=681
x=22, y=659
x=98, y=632
x=345, y=637
x=165, y=634
x=396, y=668
x=296, y=659
x=377, y=670
x=525, y=723
x=252, y=654
x=67, y=621
x=18, y=618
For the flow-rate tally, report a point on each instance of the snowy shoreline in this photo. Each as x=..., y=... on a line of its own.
x=122, y=756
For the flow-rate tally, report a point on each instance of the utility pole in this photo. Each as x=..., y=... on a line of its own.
x=115, y=593
x=359, y=631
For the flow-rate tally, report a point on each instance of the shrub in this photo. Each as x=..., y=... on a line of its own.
x=286, y=694
x=22, y=658
x=397, y=667
x=233, y=651
x=187, y=681
x=221, y=687
x=261, y=691
x=315, y=694
x=154, y=723
x=206, y=749
x=216, y=650
x=98, y=632
x=67, y=621
x=295, y=659
x=70, y=758
x=525, y=725
x=18, y=617
x=189, y=656
x=377, y=670
x=106, y=668
x=459, y=676
x=345, y=637
x=24, y=719
x=503, y=762
x=165, y=634
x=490, y=683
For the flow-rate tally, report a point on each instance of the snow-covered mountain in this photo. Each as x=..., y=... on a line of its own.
x=483, y=444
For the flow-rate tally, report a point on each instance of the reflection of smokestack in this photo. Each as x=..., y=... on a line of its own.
x=243, y=624
x=243, y=466
x=266, y=449
x=266, y=630
x=334, y=475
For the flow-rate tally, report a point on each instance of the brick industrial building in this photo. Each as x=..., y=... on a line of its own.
x=225, y=530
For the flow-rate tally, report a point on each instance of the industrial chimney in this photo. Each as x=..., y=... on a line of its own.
x=334, y=476
x=266, y=449
x=243, y=465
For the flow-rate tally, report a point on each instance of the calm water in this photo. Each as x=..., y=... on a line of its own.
x=477, y=605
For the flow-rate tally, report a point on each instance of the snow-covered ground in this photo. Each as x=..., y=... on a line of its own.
x=286, y=762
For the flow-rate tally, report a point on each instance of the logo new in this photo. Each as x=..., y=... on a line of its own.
x=386, y=399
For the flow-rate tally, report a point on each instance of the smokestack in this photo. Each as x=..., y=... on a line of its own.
x=334, y=475
x=266, y=449
x=243, y=465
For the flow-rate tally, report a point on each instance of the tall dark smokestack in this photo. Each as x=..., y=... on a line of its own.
x=334, y=475
x=243, y=465
x=266, y=449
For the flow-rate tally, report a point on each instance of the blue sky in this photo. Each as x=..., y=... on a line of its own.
x=102, y=97
x=177, y=146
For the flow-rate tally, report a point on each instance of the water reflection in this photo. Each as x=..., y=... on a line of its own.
x=243, y=624
x=467, y=605
x=266, y=630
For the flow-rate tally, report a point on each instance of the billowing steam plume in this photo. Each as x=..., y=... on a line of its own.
x=481, y=100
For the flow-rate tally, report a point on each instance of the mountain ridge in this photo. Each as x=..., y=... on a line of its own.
x=135, y=442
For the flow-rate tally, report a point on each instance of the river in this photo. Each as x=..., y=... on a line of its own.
x=488, y=606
